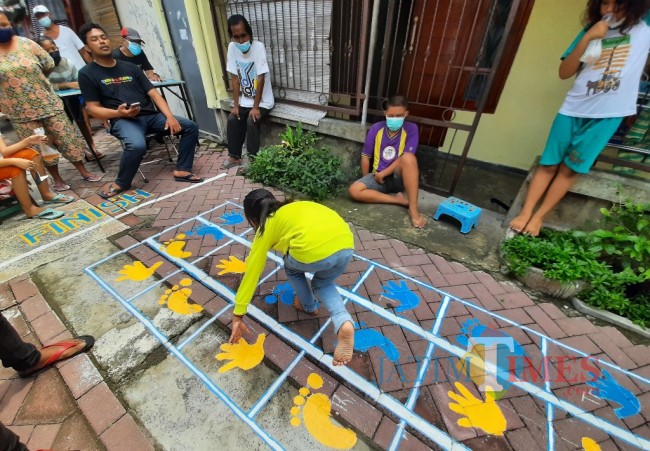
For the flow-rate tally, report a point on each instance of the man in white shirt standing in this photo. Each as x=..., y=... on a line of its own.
x=69, y=44
x=251, y=86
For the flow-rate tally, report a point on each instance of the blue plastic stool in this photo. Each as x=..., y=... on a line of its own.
x=466, y=213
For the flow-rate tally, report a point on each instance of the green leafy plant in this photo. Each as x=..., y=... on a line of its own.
x=614, y=260
x=298, y=166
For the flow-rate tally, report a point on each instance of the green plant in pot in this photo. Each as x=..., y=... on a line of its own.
x=614, y=260
x=298, y=166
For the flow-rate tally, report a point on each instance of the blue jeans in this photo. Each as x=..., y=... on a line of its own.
x=132, y=134
x=325, y=271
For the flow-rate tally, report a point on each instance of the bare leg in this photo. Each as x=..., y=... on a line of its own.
x=19, y=184
x=84, y=127
x=59, y=183
x=82, y=169
x=43, y=187
x=359, y=192
x=541, y=181
x=558, y=189
x=408, y=167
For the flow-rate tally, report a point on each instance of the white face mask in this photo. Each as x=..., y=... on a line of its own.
x=611, y=20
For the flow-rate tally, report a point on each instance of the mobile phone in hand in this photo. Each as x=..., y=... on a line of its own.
x=132, y=105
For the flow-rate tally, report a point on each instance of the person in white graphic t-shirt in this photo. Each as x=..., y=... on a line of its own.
x=251, y=86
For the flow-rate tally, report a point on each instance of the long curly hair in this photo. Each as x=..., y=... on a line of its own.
x=635, y=10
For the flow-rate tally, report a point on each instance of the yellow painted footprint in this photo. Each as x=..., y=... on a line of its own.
x=316, y=410
x=176, y=298
x=175, y=247
x=589, y=444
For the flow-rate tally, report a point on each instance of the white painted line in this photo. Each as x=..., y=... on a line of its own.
x=44, y=247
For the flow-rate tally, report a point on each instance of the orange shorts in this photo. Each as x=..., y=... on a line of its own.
x=9, y=172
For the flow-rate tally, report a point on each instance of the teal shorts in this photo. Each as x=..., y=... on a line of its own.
x=577, y=141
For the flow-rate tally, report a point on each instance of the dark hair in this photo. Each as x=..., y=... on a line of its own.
x=259, y=205
x=398, y=100
x=85, y=28
x=236, y=19
x=634, y=11
x=43, y=39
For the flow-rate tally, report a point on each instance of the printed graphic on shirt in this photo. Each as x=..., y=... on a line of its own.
x=614, y=55
x=117, y=80
x=247, y=78
x=388, y=153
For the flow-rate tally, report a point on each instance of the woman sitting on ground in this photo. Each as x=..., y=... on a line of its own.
x=14, y=161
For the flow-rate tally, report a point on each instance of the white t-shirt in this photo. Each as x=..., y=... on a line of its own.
x=248, y=66
x=69, y=45
x=610, y=86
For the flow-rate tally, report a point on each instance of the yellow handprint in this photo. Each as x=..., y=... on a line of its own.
x=478, y=414
x=242, y=355
x=234, y=265
x=137, y=272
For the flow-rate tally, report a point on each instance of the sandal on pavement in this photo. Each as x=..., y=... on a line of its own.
x=48, y=214
x=190, y=178
x=230, y=164
x=112, y=192
x=61, y=199
x=56, y=357
x=59, y=188
x=91, y=157
x=93, y=178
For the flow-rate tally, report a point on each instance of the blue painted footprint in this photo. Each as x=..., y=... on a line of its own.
x=607, y=388
x=207, y=230
x=232, y=218
x=401, y=293
x=283, y=292
x=364, y=339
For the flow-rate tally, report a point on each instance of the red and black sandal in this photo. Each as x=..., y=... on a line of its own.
x=56, y=357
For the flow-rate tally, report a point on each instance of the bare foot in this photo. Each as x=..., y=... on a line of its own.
x=298, y=306
x=533, y=227
x=345, y=345
x=519, y=223
x=417, y=219
x=401, y=200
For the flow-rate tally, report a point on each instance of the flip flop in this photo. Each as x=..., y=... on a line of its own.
x=93, y=178
x=230, y=164
x=61, y=188
x=48, y=214
x=59, y=199
x=112, y=192
x=188, y=178
x=56, y=357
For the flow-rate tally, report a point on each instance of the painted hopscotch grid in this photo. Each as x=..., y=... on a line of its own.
x=407, y=321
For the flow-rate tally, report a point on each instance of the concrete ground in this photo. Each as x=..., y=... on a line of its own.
x=133, y=392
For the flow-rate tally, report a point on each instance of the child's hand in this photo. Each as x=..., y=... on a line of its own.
x=36, y=139
x=598, y=31
x=25, y=165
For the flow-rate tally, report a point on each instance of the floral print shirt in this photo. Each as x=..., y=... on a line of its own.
x=25, y=92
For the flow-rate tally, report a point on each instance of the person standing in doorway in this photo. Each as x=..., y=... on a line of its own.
x=251, y=86
x=69, y=44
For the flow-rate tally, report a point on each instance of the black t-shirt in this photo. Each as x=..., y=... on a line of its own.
x=140, y=60
x=113, y=86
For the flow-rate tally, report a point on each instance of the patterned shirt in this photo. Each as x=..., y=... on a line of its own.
x=65, y=72
x=25, y=92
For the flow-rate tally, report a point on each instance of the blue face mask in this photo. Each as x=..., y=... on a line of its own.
x=244, y=47
x=394, y=123
x=45, y=21
x=6, y=34
x=135, y=48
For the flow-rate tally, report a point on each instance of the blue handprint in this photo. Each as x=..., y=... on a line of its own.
x=365, y=339
x=232, y=218
x=609, y=389
x=207, y=230
x=401, y=293
x=283, y=292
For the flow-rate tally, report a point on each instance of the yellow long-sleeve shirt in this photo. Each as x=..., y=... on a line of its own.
x=308, y=231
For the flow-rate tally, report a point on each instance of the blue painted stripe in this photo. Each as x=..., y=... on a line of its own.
x=185, y=361
x=204, y=326
x=415, y=392
x=549, y=408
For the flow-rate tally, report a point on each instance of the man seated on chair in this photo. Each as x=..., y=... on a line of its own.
x=121, y=93
x=390, y=147
x=131, y=52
